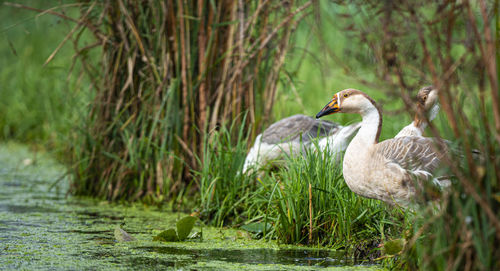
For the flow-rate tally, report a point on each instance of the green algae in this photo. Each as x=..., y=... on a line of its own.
x=41, y=227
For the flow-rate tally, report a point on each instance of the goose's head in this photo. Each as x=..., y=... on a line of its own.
x=348, y=101
x=427, y=101
x=427, y=97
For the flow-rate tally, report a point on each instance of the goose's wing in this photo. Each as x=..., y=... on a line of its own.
x=410, y=130
x=416, y=155
x=297, y=127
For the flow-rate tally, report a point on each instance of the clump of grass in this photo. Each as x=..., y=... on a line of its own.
x=311, y=204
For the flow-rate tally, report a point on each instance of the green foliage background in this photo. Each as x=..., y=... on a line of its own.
x=38, y=104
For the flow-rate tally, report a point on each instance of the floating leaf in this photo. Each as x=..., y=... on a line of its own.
x=167, y=236
x=257, y=227
x=393, y=247
x=184, y=226
x=122, y=236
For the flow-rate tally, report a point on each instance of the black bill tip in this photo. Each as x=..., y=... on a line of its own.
x=325, y=111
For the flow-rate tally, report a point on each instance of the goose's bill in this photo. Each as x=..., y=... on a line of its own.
x=330, y=108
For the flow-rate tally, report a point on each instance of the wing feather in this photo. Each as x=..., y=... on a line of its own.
x=416, y=155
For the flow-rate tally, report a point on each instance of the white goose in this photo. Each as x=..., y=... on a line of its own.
x=427, y=103
x=294, y=134
x=382, y=170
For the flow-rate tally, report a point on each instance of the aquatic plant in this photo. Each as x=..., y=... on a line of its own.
x=180, y=233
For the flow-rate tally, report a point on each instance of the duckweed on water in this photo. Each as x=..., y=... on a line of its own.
x=43, y=228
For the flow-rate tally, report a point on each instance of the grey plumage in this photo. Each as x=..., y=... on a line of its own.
x=294, y=135
x=298, y=128
x=414, y=154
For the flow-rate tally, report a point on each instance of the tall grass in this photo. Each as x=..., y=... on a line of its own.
x=170, y=72
x=225, y=193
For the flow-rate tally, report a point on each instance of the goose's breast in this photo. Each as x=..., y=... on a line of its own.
x=357, y=173
x=374, y=177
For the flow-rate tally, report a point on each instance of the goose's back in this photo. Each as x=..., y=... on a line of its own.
x=296, y=128
x=414, y=154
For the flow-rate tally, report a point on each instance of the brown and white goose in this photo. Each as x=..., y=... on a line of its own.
x=427, y=103
x=293, y=135
x=382, y=170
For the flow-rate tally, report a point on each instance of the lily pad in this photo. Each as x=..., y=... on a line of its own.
x=184, y=227
x=167, y=236
x=394, y=247
x=122, y=236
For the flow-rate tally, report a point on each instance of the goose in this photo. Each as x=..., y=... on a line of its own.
x=292, y=135
x=427, y=103
x=385, y=170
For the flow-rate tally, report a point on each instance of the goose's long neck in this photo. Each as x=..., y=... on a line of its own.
x=422, y=123
x=371, y=125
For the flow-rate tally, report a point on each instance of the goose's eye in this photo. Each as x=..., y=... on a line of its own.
x=345, y=95
x=424, y=98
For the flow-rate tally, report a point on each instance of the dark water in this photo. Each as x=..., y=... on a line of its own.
x=43, y=228
x=258, y=256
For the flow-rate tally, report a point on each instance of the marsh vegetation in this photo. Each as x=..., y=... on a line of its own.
x=163, y=99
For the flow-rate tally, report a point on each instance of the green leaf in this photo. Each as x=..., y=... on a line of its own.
x=393, y=247
x=122, y=236
x=166, y=236
x=184, y=226
x=257, y=227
